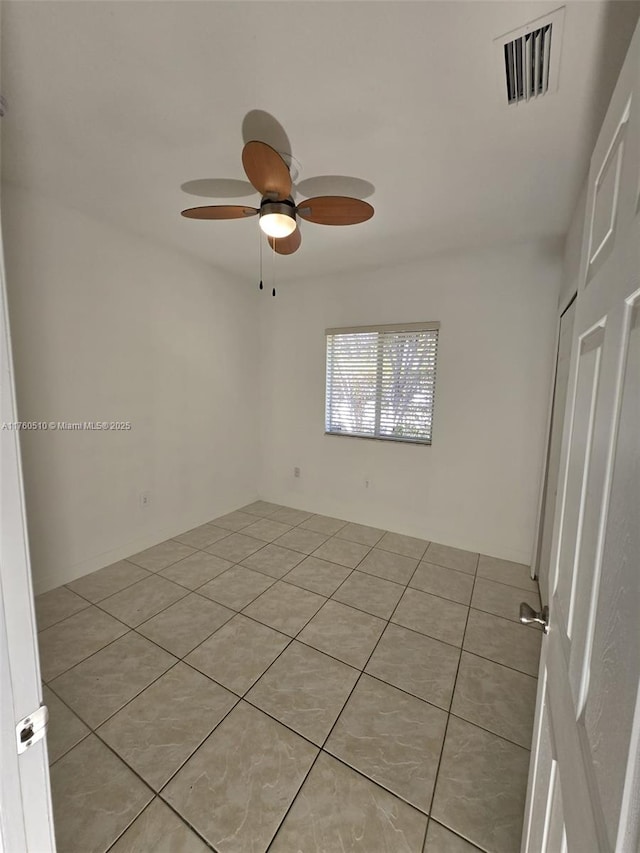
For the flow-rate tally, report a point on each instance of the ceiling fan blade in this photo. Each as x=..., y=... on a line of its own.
x=334, y=210
x=286, y=245
x=220, y=211
x=266, y=170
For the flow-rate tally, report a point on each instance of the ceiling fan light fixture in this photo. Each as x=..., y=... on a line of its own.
x=277, y=219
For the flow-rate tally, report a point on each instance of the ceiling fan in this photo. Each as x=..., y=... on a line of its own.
x=269, y=174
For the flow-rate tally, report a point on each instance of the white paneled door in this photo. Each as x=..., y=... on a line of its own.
x=584, y=782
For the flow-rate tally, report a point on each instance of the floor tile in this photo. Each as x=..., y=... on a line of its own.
x=266, y=529
x=285, y=607
x=262, y=509
x=447, y=583
x=305, y=690
x=437, y=617
x=481, y=787
x=392, y=567
x=99, y=686
x=184, y=625
x=416, y=663
x=165, y=724
x=502, y=600
x=408, y=546
x=56, y=605
x=196, y=570
x=343, y=633
x=234, y=520
x=323, y=524
x=108, y=581
x=162, y=555
x=393, y=738
x=360, y=533
x=143, y=600
x=302, y=540
x=273, y=560
x=318, y=575
x=504, y=571
x=496, y=698
x=235, y=547
x=342, y=551
x=95, y=797
x=159, y=830
x=452, y=558
x=338, y=809
x=287, y=515
x=64, y=730
x=238, y=764
x=366, y=592
x=503, y=641
x=237, y=587
x=70, y=641
x=202, y=536
x=442, y=840
x=238, y=653
x=237, y=787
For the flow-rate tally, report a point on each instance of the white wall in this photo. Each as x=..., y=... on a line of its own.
x=107, y=326
x=477, y=486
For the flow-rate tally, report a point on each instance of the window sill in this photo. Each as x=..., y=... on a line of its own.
x=421, y=441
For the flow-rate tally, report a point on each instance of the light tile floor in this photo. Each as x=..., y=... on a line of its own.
x=283, y=681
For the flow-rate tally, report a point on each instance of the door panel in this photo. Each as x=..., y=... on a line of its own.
x=612, y=671
x=605, y=199
x=583, y=418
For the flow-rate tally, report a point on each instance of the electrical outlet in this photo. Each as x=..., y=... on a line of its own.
x=296, y=471
x=145, y=499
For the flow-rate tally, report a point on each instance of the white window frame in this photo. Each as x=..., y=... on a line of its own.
x=389, y=328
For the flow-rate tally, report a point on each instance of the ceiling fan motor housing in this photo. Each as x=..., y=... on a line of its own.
x=277, y=218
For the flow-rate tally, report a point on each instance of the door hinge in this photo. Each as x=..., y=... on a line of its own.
x=32, y=729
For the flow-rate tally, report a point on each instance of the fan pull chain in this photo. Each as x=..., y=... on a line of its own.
x=261, y=286
x=273, y=266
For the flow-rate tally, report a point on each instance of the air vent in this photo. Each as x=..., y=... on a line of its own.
x=526, y=63
x=529, y=58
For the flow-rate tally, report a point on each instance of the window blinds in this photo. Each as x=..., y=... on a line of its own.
x=381, y=381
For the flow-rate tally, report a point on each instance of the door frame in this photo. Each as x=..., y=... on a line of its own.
x=26, y=817
x=563, y=307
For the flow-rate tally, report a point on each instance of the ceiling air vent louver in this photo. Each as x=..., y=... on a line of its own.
x=526, y=62
x=528, y=59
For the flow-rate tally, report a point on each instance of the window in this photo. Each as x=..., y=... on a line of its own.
x=381, y=381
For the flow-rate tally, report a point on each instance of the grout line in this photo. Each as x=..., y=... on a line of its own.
x=155, y=795
x=82, y=660
x=64, y=618
x=458, y=835
x=293, y=800
x=322, y=748
x=499, y=663
x=489, y=731
x=453, y=690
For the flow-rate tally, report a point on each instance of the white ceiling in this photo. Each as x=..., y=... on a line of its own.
x=114, y=105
